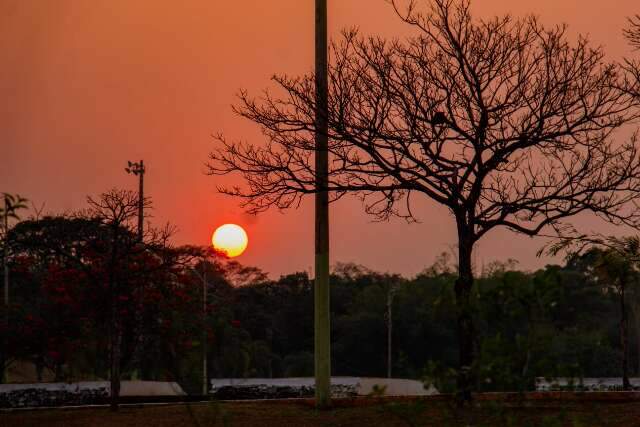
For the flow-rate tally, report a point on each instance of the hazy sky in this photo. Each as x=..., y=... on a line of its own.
x=86, y=85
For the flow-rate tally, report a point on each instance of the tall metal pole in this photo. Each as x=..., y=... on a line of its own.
x=5, y=256
x=139, y=170
x=205, y=386
x=5, y=265
x=141, y=201
x=322, y=342
x=389, y=316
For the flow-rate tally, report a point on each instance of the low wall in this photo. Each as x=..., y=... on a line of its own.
x=584, y=384
x=281, y=388
x=79, y=393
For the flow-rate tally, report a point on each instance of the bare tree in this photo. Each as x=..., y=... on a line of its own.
x=117, y=209
x=632, y=32
x=503, y=122
x=632, y=66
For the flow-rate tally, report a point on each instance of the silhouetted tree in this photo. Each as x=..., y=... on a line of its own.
x=632, y=65
x=101, y=245
x=503, y=122
x=617, y=265
x=11, y=204
x=632, y=32
x=619, y=273
x=116, y=210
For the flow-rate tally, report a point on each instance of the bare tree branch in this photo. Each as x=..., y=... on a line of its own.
x=504, y=122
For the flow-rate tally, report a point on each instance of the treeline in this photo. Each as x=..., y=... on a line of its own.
x=90, y=297
x=558, y=321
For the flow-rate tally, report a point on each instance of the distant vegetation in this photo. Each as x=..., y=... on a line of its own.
x=563, y=320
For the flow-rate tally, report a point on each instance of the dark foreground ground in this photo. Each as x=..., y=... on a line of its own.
x=364, y=412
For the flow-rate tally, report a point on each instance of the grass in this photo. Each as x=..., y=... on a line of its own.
x=372, y=413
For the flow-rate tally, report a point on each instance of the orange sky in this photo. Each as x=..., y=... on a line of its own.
x=88, y=85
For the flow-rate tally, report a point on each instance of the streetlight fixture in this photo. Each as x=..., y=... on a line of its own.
x=138, y=169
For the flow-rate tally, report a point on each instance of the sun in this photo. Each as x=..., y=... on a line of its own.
x=230, y=239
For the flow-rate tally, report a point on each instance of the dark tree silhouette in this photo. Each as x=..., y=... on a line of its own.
x=11, y=204
x=617, y=262
x=632, y=66
x=618, y=271
x=503, y=122
x=116, y=209
x=106, y=234
x=632, y=32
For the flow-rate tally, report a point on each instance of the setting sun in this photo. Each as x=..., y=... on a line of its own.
x=230, y=239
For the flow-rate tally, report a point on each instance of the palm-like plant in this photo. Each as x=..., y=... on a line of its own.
x=617, y=266
x=9, y=210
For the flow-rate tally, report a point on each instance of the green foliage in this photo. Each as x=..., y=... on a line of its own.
x=10, y=204
x=443, y=378
x=560, y=321
x=298, y=364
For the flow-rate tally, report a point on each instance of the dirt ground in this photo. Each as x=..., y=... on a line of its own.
x=377, y=413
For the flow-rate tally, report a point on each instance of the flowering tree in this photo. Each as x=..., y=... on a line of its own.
x=94, y=267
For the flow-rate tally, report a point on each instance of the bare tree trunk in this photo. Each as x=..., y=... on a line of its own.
x=463, y=285
x=39, y=364
x=205, y=379
x=624, y=326
x=116, y=333
x=636, y=317
x=531, y=338
x=116, y=340
x=389, y=329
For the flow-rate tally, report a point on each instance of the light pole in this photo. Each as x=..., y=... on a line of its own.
x=389, y=317
x=5, y=254
x=5, y=265
x=205, y=373
x=322, y=339
x=205, y=386
x=203, y=277
x=137, y=168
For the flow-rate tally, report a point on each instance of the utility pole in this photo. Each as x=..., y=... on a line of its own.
x=205, y=385
x=389, y=315
x=5, y=266
x=322, y=339
x=205, y=373
x=5, y=255
x=137, y=168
